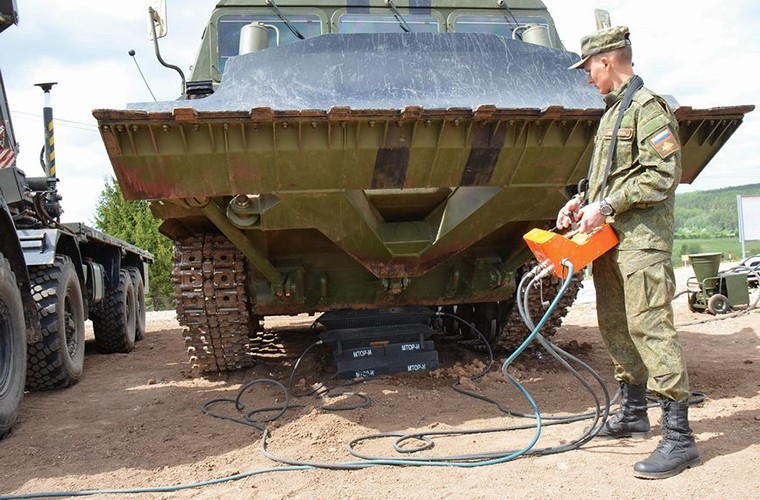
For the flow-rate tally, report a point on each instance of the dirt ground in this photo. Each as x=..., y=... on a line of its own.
x=135, y=421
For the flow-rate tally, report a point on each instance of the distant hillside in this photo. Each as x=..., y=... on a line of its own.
x=710, y=214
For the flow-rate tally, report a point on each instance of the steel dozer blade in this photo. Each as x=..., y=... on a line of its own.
x=403, y=151
x=703, y=132
x=380, y=111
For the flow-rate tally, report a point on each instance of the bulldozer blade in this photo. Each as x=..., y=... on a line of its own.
x=454, y=109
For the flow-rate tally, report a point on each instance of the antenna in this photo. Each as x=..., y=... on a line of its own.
x=134, y=58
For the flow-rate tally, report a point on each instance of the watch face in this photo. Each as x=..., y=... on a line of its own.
x=606, y=209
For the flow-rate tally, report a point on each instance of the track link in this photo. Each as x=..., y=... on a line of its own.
x=212, y=303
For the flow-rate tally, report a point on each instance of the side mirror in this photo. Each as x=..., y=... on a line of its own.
x=8, y=14
x=157, y=18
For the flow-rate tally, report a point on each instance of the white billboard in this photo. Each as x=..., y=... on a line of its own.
x=749, y=217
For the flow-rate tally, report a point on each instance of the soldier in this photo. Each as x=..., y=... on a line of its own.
x=635, y=169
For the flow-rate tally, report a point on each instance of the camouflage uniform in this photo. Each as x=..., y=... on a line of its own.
x=635, y=281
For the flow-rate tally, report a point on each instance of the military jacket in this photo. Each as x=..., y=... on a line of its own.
x=645, y=170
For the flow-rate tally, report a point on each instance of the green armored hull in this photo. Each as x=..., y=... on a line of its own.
x=359, y=170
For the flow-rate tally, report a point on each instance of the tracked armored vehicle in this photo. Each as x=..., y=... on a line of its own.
x=329, y=155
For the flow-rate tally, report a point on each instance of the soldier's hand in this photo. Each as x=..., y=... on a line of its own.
x=591, y=218
x=569, y=213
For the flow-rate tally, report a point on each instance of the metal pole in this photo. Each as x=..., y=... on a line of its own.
x=47, y=117
x=741, y=224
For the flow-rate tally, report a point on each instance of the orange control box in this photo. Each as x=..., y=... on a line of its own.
x=579, y=248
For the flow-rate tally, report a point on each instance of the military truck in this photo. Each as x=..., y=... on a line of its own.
x=354, y=155
x=55, y=276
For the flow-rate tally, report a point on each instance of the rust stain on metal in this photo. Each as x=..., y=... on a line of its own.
x=408, y=267
x=484, y=113
x=339, y=114
x=262, y=114
x=412, y=113
x=185, y=115
x=111, y=142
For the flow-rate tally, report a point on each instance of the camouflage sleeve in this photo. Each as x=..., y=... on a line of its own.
x=654, y=175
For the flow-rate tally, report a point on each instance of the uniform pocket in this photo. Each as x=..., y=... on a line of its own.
x=626, y=148
x=650, y=288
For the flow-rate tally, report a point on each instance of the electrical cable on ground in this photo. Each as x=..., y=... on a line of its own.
x=474, y=460
x=531, y=279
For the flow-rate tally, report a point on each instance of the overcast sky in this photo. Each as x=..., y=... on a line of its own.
x=703, y=53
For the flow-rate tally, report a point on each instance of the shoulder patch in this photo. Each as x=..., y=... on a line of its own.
x=643, y=96
x=665, y=142
x=651, y=124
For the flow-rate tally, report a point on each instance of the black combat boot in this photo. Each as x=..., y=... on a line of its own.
x=631, y=419
x=677, y=450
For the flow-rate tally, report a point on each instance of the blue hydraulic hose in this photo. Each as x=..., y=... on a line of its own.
x=530, y=339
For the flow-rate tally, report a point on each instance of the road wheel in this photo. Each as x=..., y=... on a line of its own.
x=718, y=304
x=445, y=323
x=139, y=288
x=57, y=360
x=114, y=323
x=12, y=348
x=487, y=317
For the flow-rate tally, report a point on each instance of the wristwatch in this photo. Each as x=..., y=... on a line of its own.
x=605, y=208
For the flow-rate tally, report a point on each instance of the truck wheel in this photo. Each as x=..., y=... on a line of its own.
x=139, y=288
x=12, y=348
x=114, y=323
x=57, y=360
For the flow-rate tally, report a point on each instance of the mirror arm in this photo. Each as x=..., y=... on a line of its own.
x=152, y=12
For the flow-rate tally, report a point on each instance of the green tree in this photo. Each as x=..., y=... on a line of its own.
x=133, y=222
x=710, y=214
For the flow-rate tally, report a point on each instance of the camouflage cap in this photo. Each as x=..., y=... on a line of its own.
x=602, y=41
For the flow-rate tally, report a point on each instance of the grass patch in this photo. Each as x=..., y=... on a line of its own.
x=731, y=248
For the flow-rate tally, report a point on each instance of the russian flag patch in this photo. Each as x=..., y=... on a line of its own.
x=665, y=143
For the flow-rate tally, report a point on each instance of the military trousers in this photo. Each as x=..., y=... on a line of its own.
x=634, y=292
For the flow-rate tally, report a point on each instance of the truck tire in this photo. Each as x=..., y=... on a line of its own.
x=139, y=287
x=12, y=348
x=57, y=360
x=114, y=323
